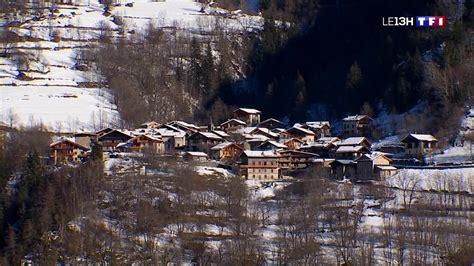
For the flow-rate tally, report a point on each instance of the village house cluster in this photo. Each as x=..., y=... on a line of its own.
x=263, y=150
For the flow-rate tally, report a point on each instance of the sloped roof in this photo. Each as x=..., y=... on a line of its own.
x=352, y=141
x=329, y=140
x=317, y=124
x=62, y=140
x=344, y=162
x=421, y=137
x=385, y=167
x=209, y=135
x=356, y=118
x=271, y=120
x=222, y=146
x=344, y=149
x=220, y=133
x=276, y=144
x=115, y=131
x=234, y=120
x=197, y=153
x=266, y=131
x=303, y=130
x=248, y=110
x=261, y=154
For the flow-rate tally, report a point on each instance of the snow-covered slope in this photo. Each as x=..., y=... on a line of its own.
x=40, y=80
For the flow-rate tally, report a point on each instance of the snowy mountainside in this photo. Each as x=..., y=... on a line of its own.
x=40, y=78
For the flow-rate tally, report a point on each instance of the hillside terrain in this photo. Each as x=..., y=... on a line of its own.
x=44, y=78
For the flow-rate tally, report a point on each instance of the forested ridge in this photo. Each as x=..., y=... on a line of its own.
x=342, y=57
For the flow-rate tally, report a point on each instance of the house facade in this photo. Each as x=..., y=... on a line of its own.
x=272, y=123
x=111, y=139
x=419, y=145
x=357, y=125
x=260, y=165
x=249, y=116
x=65, y=150
x=232, y=125
x=291, y=160
x=303, y=134
x=225, y=151
x=320, y=128
x=145, y=143
x=374, y=167
x=203, y=142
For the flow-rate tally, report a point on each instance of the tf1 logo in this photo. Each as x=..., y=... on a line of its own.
x=420, y=21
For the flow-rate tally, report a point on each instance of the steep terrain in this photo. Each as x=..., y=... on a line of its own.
x=41, y=78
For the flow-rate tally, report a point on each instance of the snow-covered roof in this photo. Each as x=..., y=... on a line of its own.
x=235, y=121
x=197, y=153
x=266, y=131
x=356, y=118
x=304, y=130
x=246, y=130
x=255, y=137
x=343, y=161
x=221, y=146
x=318, y=124
x=61, y=140
x=263, y=154
x=170, y=133
x=352, y=141
x=210, y=135
x=276, y=144
x=248, y=111
x=272, y=120
x=386, y=167
x=221, y=133
x=184, y=124
x=329, y=140
x=344, y=149
x=422, y=137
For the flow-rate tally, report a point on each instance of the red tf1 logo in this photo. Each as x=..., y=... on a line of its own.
x=419, y=21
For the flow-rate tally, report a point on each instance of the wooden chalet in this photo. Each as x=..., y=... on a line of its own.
x=351, y=152
x=419, y=145
x=271, y=124
x=110, y=140
x=291, y=160
x=186, y=127
x=324, y=150
x=203, y=141
x=104, y=131
x=341, y=169
x=232, y=125
x=260, y=165
x=357, y=125
x=145, y=144
x=320, y=128
x=85, y=139
x=65, y=150
x=374, y=167
x=271, y=145
x=292, y=144
x=303, y=134
x=173, y=138
x=249, y=116
x=226, y=151
x=355, y=141
x=195, y=156
x=265, y=132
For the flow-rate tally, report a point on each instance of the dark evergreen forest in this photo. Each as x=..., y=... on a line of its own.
x=338, y=54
